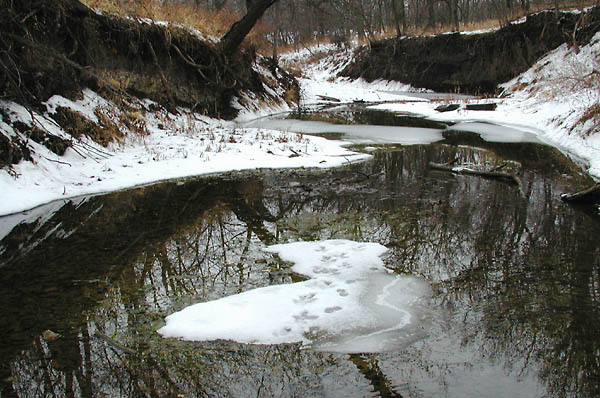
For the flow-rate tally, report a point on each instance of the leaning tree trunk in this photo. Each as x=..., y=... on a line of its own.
x=239, y=30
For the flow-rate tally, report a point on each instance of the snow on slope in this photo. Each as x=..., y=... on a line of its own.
x=319, y=78
x=176, y=146
x=561, y=95
x=557, y=99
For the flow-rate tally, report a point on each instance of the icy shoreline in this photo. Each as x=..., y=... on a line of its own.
x=176, y=146
x=188, y=144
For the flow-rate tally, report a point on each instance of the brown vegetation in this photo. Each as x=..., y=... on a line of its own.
x=60, y=47
x=55, y=144
x=592, y=113
x=208, y=22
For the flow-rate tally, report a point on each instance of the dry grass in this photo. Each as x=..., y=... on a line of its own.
x=592, y=113
x=76, y=124
x=208, y=22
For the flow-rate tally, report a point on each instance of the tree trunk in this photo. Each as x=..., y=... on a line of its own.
x=430, y=14
x=453, y=11
x=239, y=30
x=399, y=16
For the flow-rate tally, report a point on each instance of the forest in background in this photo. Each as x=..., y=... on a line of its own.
x=293, y=24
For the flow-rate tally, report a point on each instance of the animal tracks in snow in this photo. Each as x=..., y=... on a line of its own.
x=352, y=300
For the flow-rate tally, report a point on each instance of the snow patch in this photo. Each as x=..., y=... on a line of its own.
x=352, y=303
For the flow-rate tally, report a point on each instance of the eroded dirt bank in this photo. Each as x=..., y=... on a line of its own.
x=60, y=47
x=471, y=63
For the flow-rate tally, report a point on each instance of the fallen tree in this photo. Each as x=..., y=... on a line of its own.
x=591, y=194
x=493, y=174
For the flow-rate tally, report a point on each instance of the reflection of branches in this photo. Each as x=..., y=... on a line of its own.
x=521, y=273
x=371, y=371
x=522, y=276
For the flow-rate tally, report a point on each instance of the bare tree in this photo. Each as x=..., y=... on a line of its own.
x=239, y=30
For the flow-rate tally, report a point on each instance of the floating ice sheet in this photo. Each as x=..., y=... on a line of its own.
x=497, y=133
x=355, y=133
x=352, y=303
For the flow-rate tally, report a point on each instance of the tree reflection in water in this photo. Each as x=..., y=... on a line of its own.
x=516, y=281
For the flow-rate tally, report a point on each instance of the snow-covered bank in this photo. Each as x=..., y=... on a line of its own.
x=174, y=146
x=319, y=83
x=556, y=99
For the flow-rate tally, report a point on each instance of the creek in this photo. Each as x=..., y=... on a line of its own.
x=514, y=273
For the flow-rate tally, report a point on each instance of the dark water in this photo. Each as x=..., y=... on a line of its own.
x=515, y=276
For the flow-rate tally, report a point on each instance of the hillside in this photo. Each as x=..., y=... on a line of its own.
x=62, y=47
x=472, y=62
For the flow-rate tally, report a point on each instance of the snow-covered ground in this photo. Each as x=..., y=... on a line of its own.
x=176, y=146
x=550, y=100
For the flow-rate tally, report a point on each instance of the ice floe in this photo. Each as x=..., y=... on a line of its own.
x=351, y=303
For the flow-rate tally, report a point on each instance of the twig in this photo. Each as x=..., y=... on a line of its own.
x=57, y=161
x=79, y=153
x=188, y=61
x=95, y=151
x=113, y=343
x=450, y=163
x=503, y=165
x=589, y=194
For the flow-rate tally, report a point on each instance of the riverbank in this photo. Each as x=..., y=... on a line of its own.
x=474, y=63
x=174, y=146
x=556, y=99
